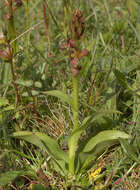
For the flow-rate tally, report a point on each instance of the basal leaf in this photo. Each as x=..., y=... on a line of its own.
x=60, y=166
x=103, y=136
x=96, y=117
x=86, y=160
x=52, y=146
x=44, y=142
x=29, y=137
x=88, y=157
x=64, y=97
x=73, y=143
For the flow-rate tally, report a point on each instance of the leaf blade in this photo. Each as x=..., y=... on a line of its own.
x=102, y=137
x=64, y=97
x=44, y=142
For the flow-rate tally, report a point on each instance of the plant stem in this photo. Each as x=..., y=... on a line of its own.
x=71, y=160
x=75, y=103
x=13, y=51
x=73, y=144
x=13, y=81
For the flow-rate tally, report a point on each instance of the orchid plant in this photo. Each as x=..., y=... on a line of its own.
x=71, y=164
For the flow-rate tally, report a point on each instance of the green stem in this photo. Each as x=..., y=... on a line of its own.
x=71, y=161
x=14, y=84
x=75, y=103
x=73, y=144
x=11, y=29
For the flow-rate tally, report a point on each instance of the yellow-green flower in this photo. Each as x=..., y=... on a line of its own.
x=94, y=174
x=93, y=177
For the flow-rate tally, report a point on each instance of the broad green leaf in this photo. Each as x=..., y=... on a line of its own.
x=72, y=143
x=29, y=137
x=86, y=160
x=129, y=150
x=9, y=176
x=52, y=146
x=96, y=117
x=60, y=166
x=77, y=163
x=88, y=157
x=64, y=97
x=44, y=142
x=103, y=137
